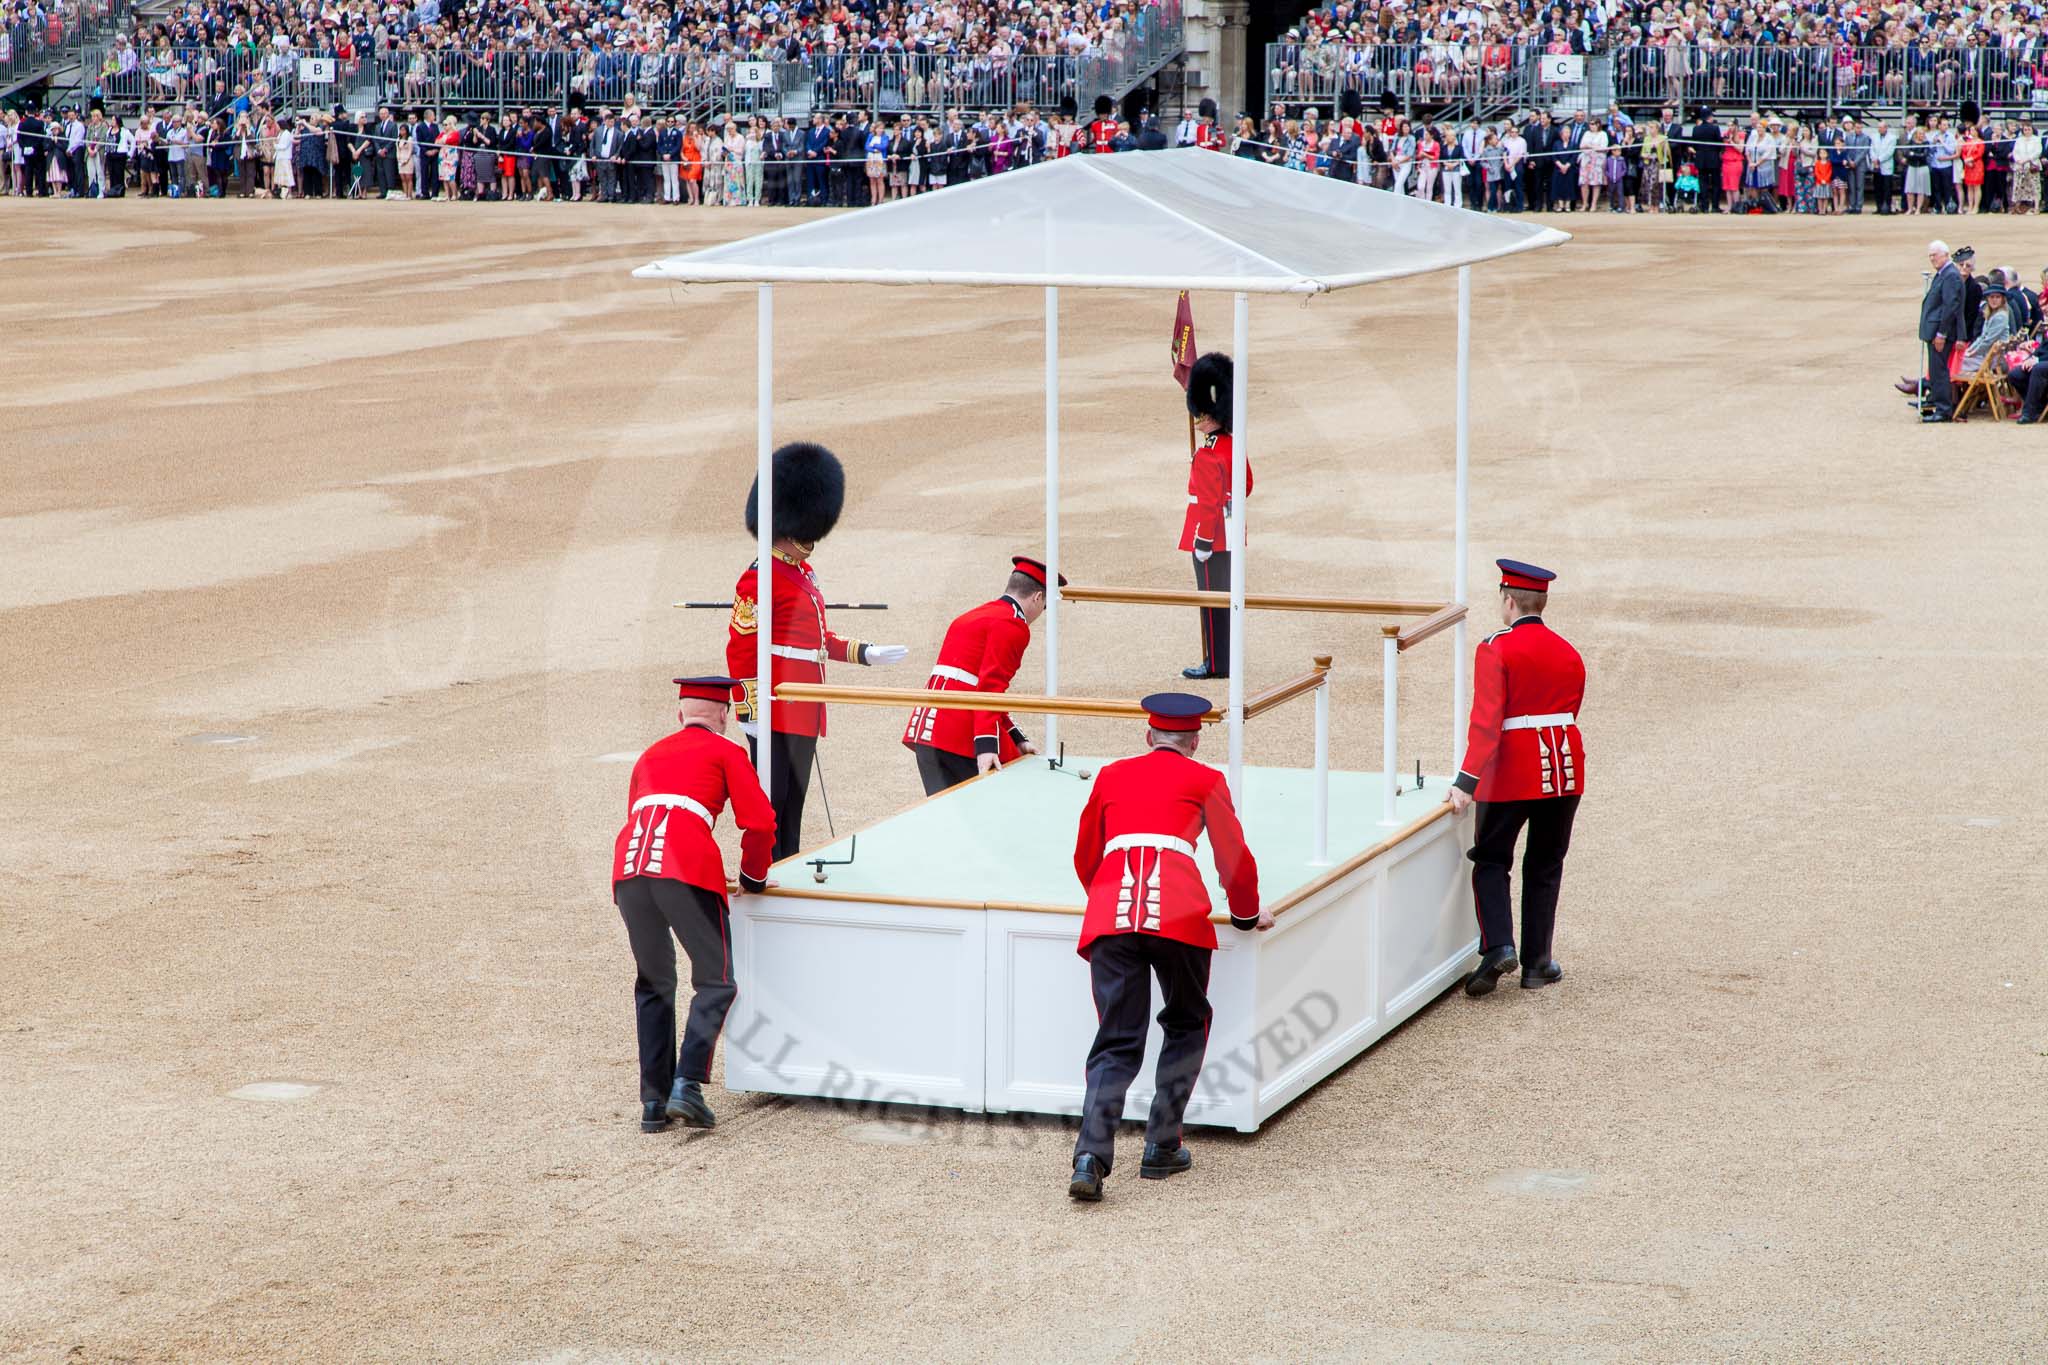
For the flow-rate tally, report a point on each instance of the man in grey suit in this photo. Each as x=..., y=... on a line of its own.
x=1857, y=144
x=1941, y=325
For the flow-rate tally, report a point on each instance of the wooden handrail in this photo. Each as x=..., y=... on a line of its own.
x=1287, y=691
x=1113, y=708
x=1255, y=601
x=1443, y=619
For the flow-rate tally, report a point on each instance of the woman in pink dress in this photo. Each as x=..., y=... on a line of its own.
x=1731, y=170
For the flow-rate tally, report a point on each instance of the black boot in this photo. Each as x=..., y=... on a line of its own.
x=1086, y=1185
x=1540, y=973
x=1496, y=961
x=686, y=1102
x=1162, y=1161
x=1200, y=673
x=653, y=1116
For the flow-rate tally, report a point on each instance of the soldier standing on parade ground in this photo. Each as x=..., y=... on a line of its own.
x=669, y=878
x=1148, y=914
x=1203, y=532
x=810, y=489
x=980, y=653
x=1524, y=764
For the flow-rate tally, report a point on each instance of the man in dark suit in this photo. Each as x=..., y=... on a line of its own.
x=1542, y=140
x=385, y=147
x=35, y=152
x=1707, y=139
x=426, y=182
x=1941, y=326
x=817, y=160
x=640, y=153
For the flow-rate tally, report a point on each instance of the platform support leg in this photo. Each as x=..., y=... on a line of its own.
x=1052, y=512
x=1390, y=707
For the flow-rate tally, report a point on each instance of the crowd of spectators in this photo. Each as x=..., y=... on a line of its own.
x=1663, y=161
x=603, y=155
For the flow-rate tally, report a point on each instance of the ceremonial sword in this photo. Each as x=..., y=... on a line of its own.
x=829, y=606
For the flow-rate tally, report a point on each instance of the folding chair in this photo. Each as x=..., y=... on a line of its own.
x=1988, y=386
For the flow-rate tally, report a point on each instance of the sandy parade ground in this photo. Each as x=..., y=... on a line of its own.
x=336, y=554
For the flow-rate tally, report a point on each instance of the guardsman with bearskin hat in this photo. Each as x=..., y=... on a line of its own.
x=1203, y=532
x=980, y=653
x=1211, y=134
x=1524, y=765
x=669, y=878
x=1148, y=915
x=810, y=489
x=1102, y=132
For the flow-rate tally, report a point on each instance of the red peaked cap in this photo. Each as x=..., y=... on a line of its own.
x=705, y=689
x=1524, y=577
x=1175, y=710
x=1033, y=569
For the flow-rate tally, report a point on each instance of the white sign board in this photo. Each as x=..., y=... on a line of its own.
x=753, y=75
x=316, y=70
x=1567, y=69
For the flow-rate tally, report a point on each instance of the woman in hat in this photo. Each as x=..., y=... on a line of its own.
x=2026, y=170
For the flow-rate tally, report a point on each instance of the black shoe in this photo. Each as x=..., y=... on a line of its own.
x=1086, y=1185
x=653, y=1117
x=1935, y=417
x=1540, y=973
x=1488, y=974
x=2025, y=420
x=1200, y=672
x=1161, y=1162
x=686, y=1102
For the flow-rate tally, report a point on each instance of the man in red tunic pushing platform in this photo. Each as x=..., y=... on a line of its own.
x=810, y=489
x=668, y=877
x=1203, y=532
x=980, y=653
x=1148, y=915
x=1524, y=764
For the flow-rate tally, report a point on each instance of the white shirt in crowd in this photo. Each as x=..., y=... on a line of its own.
x=1883, y=147
x=74, y=134
x=177, y=137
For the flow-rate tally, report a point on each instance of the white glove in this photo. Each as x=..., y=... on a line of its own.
x=1202, y=556
x=886, y=654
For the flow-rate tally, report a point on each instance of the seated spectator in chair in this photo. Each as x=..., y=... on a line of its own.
x=1997, y=327
x=2026, y=369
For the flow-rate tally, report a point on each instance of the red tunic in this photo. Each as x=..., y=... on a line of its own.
x=679, y=786
x=1212, y=136
x=1101, y=134
x=1135, y=851
x=980, y=653
x=1209, y=495
x=1524, y=745
x=802, y=642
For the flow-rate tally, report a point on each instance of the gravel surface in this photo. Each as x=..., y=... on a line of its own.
x=335, y=561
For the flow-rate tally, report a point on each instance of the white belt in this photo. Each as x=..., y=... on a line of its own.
x=958, y=675
x=809, y=656
x=1555, y=718
x=671, y=799
x=1165, y=843
x=1193, y=498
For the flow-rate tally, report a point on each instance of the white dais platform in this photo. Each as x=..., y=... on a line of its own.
x=939, y=967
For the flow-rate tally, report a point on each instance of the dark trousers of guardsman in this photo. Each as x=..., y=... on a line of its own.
x=941, y=768
x=654, y=908
x=1120, y=970
x=1214, y=576
x=789, y=776
x=1493, y=859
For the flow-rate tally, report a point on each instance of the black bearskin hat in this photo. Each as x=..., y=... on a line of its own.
x=1206, y=109
x=1388, y=104
x=1068, y=108
x=1103, y=104
x=1351, y=104
x=1969, y=112
x=1210, y=388
x=810, y=488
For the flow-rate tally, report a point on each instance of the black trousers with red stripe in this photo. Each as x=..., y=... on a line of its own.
x=789, y=776
x=1214, y=576
x=654, y=908
x=1120, y=970
x=1493, y=860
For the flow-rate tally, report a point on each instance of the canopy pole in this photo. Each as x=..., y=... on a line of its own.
x=1460, y=663
x=1052, y=511
x=1234, y=538
x=764, y=530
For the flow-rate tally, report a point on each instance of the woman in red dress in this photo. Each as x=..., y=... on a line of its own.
x=1731, y=170
x=1971, y=155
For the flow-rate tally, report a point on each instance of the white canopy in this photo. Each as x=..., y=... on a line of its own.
x=1182, y=219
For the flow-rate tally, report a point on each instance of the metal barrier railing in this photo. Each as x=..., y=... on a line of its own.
x=1829, y=78
x=1424, y=77
x=60, y=38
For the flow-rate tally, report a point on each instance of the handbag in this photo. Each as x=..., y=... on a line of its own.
x=1664, y=175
